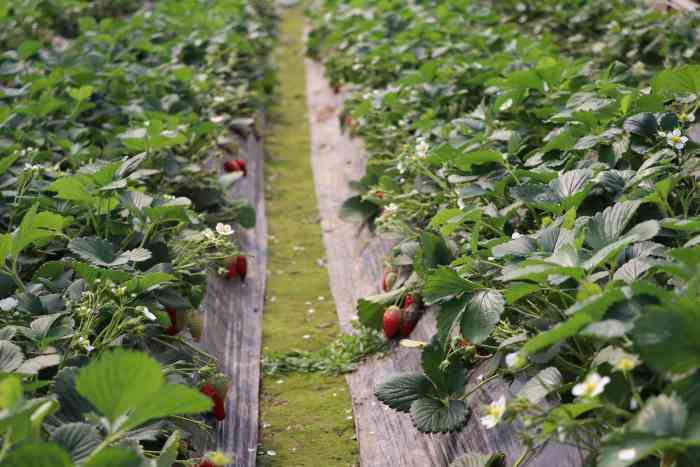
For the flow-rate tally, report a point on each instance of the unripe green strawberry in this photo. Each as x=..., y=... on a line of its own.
x=221, y=383
x=195, y=323
x=389, y=278
x=391, y=321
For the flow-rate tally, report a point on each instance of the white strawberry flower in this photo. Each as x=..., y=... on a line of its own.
x=422, y=148
x=676, y=140
x=627, y=362
x=684, y=117
x=494, y=413
x=627, y=454
x=147, y=313
x=592, y=386
x=208, y=234
x=516, y=235
x=224, y=229
x=391, y=209
x=411, y=344
x=515, y=361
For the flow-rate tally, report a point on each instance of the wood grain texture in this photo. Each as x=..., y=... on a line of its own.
x=355, y=264
x=677, y=4
x=233, y=320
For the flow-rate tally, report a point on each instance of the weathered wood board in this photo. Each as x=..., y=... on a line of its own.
x=233, y=320
x=355, y=264
x=677, y=4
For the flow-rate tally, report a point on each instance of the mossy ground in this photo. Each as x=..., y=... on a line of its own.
x=305, y=418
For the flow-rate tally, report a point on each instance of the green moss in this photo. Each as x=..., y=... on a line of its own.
x=305, y=418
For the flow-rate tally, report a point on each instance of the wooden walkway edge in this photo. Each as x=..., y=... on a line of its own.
x=233, y=320
x=355, y=264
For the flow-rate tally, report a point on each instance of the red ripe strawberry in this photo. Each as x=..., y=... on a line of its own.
x=379, y=194
x=219, y=409
x=409, y=318
x=206, y=463
x=195, y=324
x=336, y=89
x=236, y=165
x=463, y=343
x=242, y=266
x=389, y=279
x=232, y=270
x=348, y=121
x=172, y=329
x=408, y=300
x=238, y=267
x=391, y=321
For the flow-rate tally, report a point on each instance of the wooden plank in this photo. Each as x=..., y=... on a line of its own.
x=355, y=264
x=233, y=320
x=675, y=4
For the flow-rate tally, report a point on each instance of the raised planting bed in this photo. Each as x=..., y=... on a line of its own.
x=131, y=193
x=536, y=163
x=356, y=260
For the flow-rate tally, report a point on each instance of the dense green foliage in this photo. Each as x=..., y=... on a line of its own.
x=112, y=118
x=540, y=162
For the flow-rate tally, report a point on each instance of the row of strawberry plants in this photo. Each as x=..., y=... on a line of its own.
x=113, y=138
x=538, y=162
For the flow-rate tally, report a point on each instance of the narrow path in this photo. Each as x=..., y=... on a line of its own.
x=305, y=417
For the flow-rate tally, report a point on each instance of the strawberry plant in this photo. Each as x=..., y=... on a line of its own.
x=539, y=161
x=113, y=132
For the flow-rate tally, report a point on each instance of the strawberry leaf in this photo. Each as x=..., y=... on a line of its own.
x=482, y=314
x=121, y=382
x=442, y=285
x=37, y=454
x=78, y=439
x=400, y=392
x=436, y=416
x=111, y=457
x=477, y=459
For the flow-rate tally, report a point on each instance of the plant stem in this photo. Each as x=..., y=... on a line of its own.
x=522, y=457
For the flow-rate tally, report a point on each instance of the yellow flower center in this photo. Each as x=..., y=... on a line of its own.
x=496, y=411
x=675, y=139
x=625, y=364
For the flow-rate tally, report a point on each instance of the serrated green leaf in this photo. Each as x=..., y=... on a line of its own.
x=449, y=316
x=662, y=416
x=170, y=451
x=666, y=337
x=170, y=399
x=112, y=457
x=37, y=454
x=77, y=439
x=607, y=226
x=477, y=459
x=434, y=250
x=582, y=314
x=484, y=156
x=11, y=356
x=436, y=416
x=400, y=392
x=443, y=284
x=679, y=81
x=36, y=227
x=481, y=316
x=540, y=385
x=119, y=381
